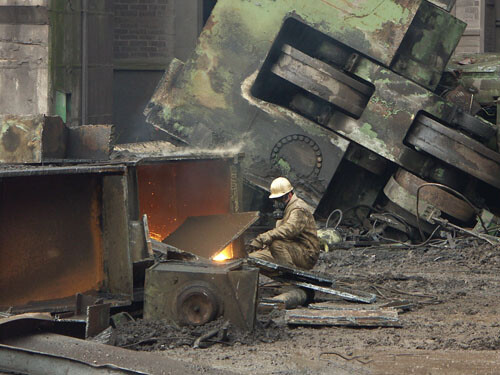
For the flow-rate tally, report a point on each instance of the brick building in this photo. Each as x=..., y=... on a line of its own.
x=99, y=61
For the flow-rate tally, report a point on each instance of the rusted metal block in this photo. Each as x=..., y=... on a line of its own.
x=200, y=292
x=387, y=317
x=93, y=142
x=426, y=49
x=31, y=139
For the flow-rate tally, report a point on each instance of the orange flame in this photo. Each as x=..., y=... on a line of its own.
x=156, y=236
x=225, y=254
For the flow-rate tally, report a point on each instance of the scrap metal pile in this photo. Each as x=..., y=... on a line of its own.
x=352, y=101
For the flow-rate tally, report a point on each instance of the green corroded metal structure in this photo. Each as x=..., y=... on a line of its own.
x=303, y=85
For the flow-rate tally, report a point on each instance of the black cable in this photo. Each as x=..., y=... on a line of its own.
x=341, y=215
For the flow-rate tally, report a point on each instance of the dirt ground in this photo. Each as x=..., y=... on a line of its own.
x=452, y=327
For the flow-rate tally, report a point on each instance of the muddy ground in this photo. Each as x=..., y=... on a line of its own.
x=452, y=327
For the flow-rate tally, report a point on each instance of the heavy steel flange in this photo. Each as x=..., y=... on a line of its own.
x=456, y=149
x=322, y=80
x=197, y=304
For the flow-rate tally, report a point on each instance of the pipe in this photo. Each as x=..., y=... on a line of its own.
x=85, y=63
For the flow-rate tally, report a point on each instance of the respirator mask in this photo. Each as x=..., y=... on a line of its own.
x=279, y=208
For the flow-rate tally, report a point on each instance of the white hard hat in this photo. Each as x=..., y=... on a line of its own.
x=280, y=187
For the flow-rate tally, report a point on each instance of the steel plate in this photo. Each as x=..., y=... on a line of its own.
x=208, y=235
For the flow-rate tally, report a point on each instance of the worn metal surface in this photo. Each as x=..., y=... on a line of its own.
x=437, y=197
x=407, y=201
x=206, y=236
x=210, y=102
x=31, y=139
x=389, y=114
x=200, y=292
x=456, y=149
x=51, y=241
x=426, y=49
x=48, y=353
x=55, y=239
x=344, y=317
x=477, y=127
x=97, y=319
x=27, y=171
x=93, y=142
x=322, y=80
x=117, y=258
x=197, y=304
x=174, y=188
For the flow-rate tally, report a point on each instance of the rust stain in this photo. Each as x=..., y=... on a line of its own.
x=336, y=7
x=209, y=25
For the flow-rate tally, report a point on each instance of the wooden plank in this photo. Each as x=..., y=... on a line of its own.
x=344, y=317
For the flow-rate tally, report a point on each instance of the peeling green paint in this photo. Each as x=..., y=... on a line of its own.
x=284, y=166
x=182, y=129
x=367, y=130
x=214, y=86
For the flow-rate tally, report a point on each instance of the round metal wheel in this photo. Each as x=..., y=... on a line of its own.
x=197, y=304
x=323, y=81
x=435, y=196
x=456, y=149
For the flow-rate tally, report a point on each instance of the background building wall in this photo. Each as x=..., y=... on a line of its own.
x=24, y=56
x=483, y=29
x=147, y=35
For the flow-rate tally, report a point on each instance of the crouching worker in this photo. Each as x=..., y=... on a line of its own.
x=294, y=241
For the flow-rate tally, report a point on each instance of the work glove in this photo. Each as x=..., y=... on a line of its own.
x=254, y=245
x=264, y=239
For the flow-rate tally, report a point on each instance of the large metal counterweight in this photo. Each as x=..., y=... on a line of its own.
x=331, y=94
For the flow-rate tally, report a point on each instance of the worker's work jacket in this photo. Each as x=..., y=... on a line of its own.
x=297, y=226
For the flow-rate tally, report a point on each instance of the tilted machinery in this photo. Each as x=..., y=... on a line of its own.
x=343, y=97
